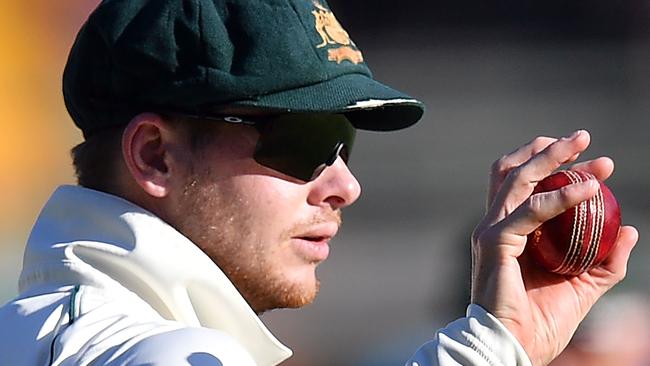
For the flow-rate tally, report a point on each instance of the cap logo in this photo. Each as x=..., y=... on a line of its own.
x=332, y=33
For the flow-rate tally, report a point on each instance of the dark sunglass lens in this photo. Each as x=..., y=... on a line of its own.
x=301, y=145
x=335, y=154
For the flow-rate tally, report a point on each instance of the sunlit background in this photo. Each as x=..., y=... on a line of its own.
x=493, y=74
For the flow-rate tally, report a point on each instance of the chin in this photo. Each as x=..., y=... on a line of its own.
x=301, y=288
x=291, y=292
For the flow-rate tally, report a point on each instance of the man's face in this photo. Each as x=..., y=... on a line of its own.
x=266, y=231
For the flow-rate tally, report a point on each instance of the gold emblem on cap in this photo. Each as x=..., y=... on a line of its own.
x=344, y=53
x=332, y=33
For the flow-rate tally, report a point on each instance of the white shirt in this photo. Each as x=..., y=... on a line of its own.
x=104, y=282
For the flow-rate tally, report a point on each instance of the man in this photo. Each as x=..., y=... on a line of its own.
x=212, y=178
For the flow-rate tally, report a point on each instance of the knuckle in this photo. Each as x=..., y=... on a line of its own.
x=565, y=196
x=483, y=237
x=516, y=174
x=541, y=141
x=534, y=206
x=501, y=166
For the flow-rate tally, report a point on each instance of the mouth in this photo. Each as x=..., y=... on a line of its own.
x=315, y=239
x=313, y=244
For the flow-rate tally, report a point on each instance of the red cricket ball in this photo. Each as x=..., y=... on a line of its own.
x=581, y=237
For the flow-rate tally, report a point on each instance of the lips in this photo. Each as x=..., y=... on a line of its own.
x=320, y=232
x=313, y=243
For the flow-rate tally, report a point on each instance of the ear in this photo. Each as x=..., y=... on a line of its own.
x=147, y=145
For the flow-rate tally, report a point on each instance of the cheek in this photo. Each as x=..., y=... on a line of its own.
x=269, y=208
x=277, y=211
x=273, y=201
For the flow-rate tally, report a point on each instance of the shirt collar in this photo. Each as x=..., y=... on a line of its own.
x=88, y=237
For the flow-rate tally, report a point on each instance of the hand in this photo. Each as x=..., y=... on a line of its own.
x=541, y=309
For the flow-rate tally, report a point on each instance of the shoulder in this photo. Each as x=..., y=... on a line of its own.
x=125, y=331
x=183, y=346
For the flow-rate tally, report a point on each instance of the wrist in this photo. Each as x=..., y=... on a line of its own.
x=488, y=327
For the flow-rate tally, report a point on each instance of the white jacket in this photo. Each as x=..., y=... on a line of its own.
x=105, y=282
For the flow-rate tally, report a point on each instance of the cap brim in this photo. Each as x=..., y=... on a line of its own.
x=368, y=104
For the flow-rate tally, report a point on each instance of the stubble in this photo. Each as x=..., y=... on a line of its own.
x=217, y=220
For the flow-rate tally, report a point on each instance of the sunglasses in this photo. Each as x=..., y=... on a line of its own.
x=300, y=145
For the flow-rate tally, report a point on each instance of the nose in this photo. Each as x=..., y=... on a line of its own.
x=336, y=186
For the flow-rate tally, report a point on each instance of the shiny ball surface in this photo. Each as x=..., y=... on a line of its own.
x=580, y=238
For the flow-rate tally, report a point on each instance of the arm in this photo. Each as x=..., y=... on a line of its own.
x=539, y=310
x=477, y=339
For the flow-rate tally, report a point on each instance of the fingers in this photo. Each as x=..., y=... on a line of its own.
x=616, y=262
x=562, y=151
x=542, y=207
x=601, y=168
x=521, y=181
x=507, y=163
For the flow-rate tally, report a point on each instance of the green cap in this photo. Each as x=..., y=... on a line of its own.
x=202, y=56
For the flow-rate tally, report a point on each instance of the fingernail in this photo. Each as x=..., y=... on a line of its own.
x=575, y=135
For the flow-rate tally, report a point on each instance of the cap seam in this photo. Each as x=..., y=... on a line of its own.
x=306, y=30
x=201, y=29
